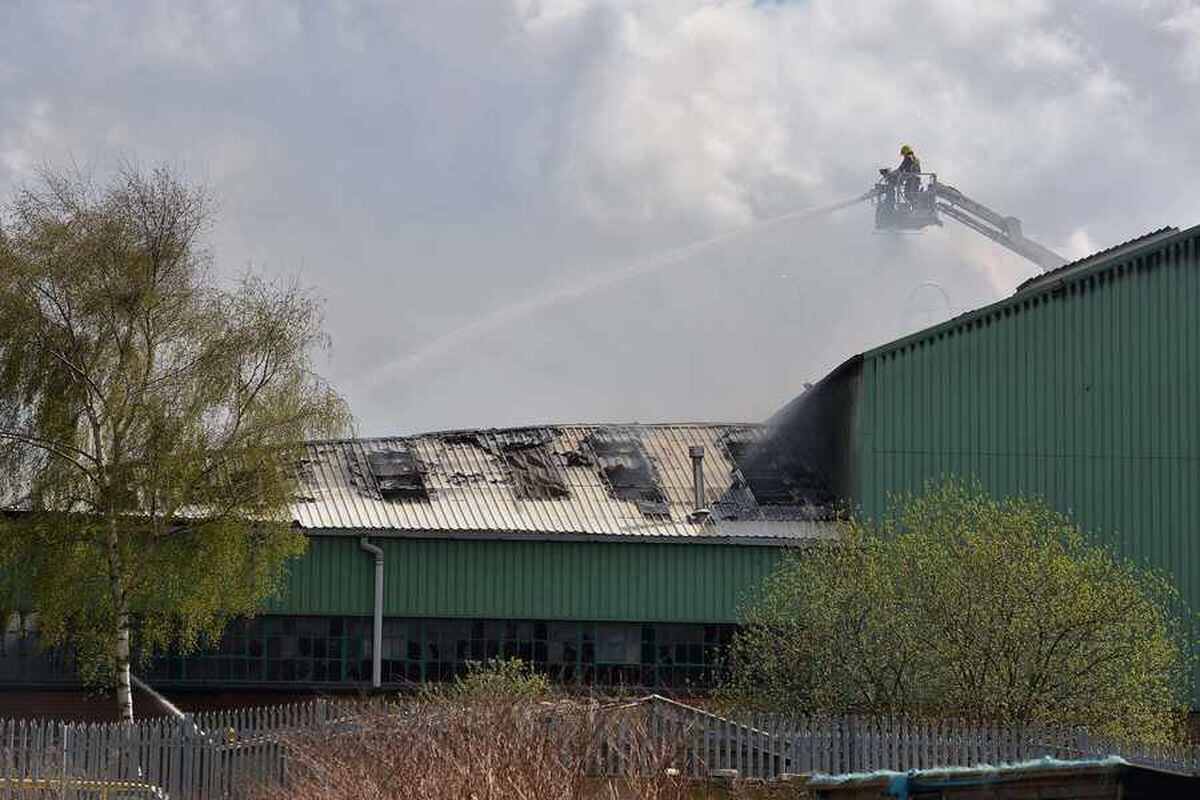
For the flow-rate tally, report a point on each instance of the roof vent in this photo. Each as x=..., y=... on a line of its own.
x=399, y=474
x=700, y=510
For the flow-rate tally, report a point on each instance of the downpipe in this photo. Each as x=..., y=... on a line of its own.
x=377, y=640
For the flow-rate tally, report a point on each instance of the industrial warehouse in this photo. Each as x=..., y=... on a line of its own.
x=619, y=554
x=602, y=554
x=582, y=549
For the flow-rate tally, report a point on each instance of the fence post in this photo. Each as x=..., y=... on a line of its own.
x=1081, y=739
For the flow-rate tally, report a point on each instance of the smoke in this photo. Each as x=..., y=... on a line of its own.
x=464, y=335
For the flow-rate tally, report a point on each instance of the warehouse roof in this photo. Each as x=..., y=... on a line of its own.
x=1135, y=251
x=1116, y=251
x=590, y=480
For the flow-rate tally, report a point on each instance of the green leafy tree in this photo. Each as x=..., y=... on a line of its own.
x=962, y=603
x=148, y=418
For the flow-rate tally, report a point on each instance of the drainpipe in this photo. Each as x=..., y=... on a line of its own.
x=377, y=643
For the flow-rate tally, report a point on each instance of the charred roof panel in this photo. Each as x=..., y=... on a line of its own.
x=627, y=470
x=398, y=474
x=535, y=474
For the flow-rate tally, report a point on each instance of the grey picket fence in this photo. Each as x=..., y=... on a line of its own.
x=212, y=755
x=767, y=746
x=232, y=753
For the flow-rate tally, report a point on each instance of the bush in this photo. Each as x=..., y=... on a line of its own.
x=504, y=680
x=962, y=604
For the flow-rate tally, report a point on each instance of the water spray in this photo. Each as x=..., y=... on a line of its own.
x=407, y=363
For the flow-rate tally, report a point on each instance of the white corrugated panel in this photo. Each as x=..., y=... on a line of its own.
x=471, y=486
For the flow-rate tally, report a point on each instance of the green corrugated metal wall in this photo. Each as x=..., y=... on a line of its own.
x=1087, y=392
x=620, y=581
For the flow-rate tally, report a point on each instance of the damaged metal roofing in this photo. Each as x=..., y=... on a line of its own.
x=590, y=480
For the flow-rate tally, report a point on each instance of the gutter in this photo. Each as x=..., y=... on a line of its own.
x=377, y=640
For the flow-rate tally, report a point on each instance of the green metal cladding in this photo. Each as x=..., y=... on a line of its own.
x=519, y=579
x=1085, y=389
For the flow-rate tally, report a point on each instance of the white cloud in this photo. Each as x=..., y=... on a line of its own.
x=722, y=110
x=1185, y=24
x=196, y=34
x=24, y=142
x=439, y=169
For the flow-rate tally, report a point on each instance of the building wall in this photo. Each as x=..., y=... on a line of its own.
x=489, y=578
x=1086, y=391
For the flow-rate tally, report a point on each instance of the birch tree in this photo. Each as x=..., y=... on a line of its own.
x=149, y=420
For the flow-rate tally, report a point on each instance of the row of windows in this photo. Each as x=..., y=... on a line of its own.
x=330, y=650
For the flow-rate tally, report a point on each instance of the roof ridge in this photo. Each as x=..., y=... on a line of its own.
x=548, y=426
x=1099, y=256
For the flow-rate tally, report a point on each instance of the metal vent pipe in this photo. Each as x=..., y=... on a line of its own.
x=699, y=512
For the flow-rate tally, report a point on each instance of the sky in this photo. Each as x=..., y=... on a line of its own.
x=541, y=211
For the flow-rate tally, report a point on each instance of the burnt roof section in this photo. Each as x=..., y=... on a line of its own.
x=398, y=473
x=626, y=468
x=1115, y=251
x=588, y=480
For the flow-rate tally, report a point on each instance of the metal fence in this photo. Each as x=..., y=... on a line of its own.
x=229, y=754
x=767, y=746
x=210, y=755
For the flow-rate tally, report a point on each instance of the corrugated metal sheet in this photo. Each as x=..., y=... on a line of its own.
x=488, y=578
x=1085, y=390
x=1106, y=255
x=472, y=487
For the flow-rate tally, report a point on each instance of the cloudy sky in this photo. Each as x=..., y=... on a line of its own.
x=497, y=197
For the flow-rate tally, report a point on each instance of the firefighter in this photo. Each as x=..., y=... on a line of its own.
x=908, y=173
x=908, y=160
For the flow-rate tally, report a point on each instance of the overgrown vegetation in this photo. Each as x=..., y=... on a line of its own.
x=501, y=680
x=963, y=604
x=448, y=748
x=147, y=420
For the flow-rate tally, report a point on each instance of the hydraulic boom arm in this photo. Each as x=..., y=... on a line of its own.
x=997, y=227
x=912, y=201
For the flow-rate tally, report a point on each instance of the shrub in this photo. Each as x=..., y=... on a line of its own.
x=960, y=603
x=503, y=680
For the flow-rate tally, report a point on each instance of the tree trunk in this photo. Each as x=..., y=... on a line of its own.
x=121, y=658
x=116, y=585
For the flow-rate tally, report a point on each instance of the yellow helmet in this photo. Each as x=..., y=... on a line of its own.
x=905, y=150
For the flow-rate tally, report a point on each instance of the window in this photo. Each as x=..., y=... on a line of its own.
x=332, y=651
